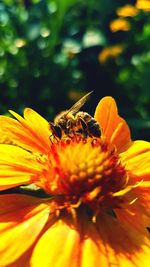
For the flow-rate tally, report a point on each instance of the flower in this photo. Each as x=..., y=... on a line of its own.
x=120, y=24
x=127, y=11
x=143, y=5
x=96, y=205
x=110, y=52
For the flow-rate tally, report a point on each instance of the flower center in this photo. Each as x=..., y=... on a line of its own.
x=85, y=171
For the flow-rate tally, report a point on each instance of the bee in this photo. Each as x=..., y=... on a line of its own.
x=74, y=122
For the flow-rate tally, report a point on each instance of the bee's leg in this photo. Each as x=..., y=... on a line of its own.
x=52, y=136
x=56, y=131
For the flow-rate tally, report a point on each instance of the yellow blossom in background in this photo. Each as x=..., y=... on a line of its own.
x=143, y=5
x=97, y=203
x=110, y=52
x=120, y=24
x=127, y=11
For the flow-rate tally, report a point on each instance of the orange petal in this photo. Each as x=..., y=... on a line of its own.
x=17, y=166
x=124, y=246
x=113, y=127
x=143, y=201
x=22, y=261
x=59, y=246
x=31, y=133
x=107, y=242
x=18, y=201
x=137, y=159
x=132, y=214
x=21, y=224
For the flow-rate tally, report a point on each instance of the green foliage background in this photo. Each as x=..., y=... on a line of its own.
x=49, y=54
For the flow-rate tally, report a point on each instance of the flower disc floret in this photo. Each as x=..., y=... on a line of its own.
x=86, y=171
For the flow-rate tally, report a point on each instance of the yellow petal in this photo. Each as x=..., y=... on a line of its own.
x=13, y=132
x=93, y=249
x=127, y=11
x=20, y=227
x=137, y=159
x=39, y=124
x=13, y=182
x=59, y=246
x=114, y=128
x=143, y=5
x=120, y=24
x=17, y=166
x=31, y=133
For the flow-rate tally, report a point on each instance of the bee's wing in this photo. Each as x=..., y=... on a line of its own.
x=75, y=108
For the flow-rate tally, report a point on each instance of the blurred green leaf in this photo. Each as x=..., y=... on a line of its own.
x=49, y=57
